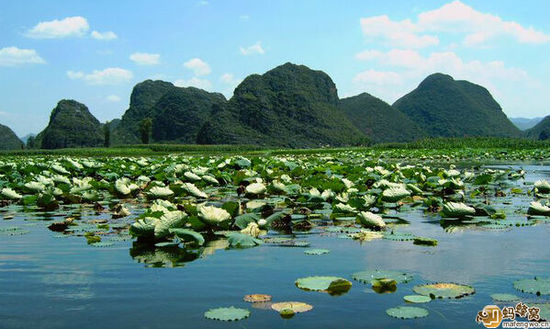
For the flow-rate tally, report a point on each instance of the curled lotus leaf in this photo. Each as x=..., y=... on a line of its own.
x=407, y=312
x=240, y=240
x=417, y=299
x=444, y=290
x=537, y=286
x=296, y=307
x=369, y=220
x=332, y=284
x=369, y=275
x=504, y=298
x=227, y=314
x=537, y=208
x=257, y=298
x=394, y=194
x=457, y=210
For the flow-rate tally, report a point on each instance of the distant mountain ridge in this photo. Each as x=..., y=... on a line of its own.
x=8, y=139
x=379, y=121
x=288, y=106
x=526, y=123
x=444, y=107
x=71, y=125
x=541, y=131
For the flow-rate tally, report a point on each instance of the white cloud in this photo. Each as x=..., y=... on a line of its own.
x=454, y=17
x=255, y=49
x=400, y=34
x=229, y=79
x=113, y=98
x=198, y=66
x=106, y=36
x=194, y=82
x=108, y=76
x=145, y=58
x=480, y=27
x=13, y=56
x=76, y=26
x=402, y=70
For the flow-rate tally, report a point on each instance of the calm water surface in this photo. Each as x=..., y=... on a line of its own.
x=47, y=281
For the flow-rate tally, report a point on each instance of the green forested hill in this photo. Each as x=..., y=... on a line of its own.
x=291, y=106
x=378, y=120
x=8, y=139
x=444, y=107
x=71, y=125
x=176, y=113
x=541, y=131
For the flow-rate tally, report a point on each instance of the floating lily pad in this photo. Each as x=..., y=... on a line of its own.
x=544, y=310
x=332, y=284
x=12, y=230
x=444, y=290
x=102, y=244
x=296, y=307
x=505, y=298
x=227, y=314
x=399, y=236
x=257, y=298
x=369, y=275
x=316, y=251
x=407, y=312
x=425, y=241
x=417, y=299
x=537, y=286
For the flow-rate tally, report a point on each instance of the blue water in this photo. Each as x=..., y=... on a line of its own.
x=47, y=281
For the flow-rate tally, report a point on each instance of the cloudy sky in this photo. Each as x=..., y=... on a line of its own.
x=96, y=51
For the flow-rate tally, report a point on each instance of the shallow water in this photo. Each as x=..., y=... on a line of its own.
x=48, y=281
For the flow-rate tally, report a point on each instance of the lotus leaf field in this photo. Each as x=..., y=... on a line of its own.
x=415, y=238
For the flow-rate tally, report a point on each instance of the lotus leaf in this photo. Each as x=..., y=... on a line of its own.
x=537, y=286
x=369, y=275
x=444, y=290
x=407, y=312
x=227, y=314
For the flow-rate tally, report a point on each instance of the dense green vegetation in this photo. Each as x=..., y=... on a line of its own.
x=541, y=131
x=71, y=125
x=445, y=107
x=289, y=106
x=8, y=139
x=378, y=120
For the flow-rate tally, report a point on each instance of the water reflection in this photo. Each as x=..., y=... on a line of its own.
x=169, y=256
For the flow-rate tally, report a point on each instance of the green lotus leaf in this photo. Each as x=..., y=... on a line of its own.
x=144, y=227
x=213, y=215
x=505, y=298
x=240, y=240
x=394, y=194
x=457, y=210
x=242, y=221
x=158, y=192
x=10, y=194
x=444, y=290
x=255, y=189
x=384, y=285
x=417, y=299
x=536, y=208
x=188, y=235
x=227, y=314
x=191, y=176
x=369, y=275
x=296, y=307
x=425, y=241
x=369, y=220
x=407, y=312
x=316, y=251
x=172, y=219
x=542, y=186
x=399, y=236
x=332, y=284
x=194, y=191
x=537, y=286
x=544, y=310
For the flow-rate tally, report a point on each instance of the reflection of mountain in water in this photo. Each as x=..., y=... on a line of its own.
x=172, y=256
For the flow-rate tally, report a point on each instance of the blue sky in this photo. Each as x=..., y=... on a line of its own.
x=96, y=51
